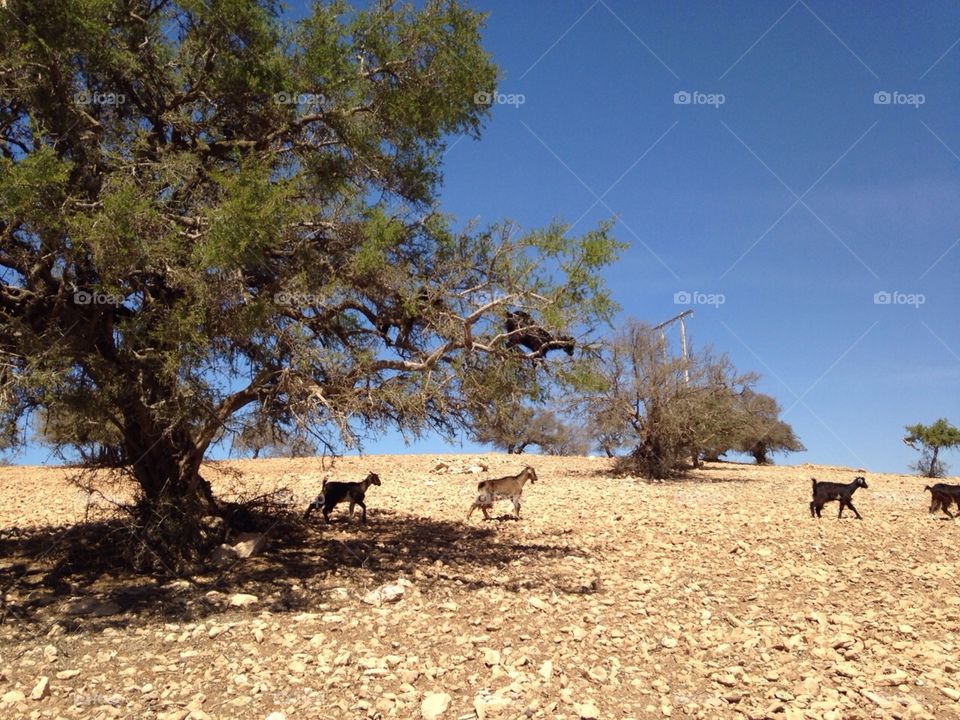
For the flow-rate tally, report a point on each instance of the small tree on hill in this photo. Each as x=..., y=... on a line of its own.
x=762, y=432
x=929, y=440
x=671, y=410
x=514, y=428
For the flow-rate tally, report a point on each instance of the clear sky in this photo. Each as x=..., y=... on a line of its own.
x=797, y=196
x=790, y=158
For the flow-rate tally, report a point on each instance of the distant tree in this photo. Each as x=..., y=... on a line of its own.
x=762, y=432
x=607, y=433
x=505, y=428
x=273, y=440
x=670, y=410
x=95, y=441
x=514, y=428
x=209, y=209
x=929, y=440
x=560, y=437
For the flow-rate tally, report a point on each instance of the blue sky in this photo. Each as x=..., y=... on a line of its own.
x=797, y=199
x=786, y=185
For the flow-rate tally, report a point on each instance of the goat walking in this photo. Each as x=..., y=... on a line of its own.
x=942, y=495
x=505, y=488
x=824, y=492
x=334, y=493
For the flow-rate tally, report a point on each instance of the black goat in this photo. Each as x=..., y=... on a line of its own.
x=824, y=492
x=334, y=493
x=524, y=331
x=941, y=495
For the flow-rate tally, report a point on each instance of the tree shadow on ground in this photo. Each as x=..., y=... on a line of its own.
x=307, y=566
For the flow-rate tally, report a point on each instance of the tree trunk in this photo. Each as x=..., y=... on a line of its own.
x=173, y=497
x=759, y=453
x=932, y=472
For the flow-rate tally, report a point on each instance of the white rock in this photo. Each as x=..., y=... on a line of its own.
x=491, y=657
x=250, y=544
x=434, y=705
x=276, y=716
x=178, y=714
x=391, y=592
x=13, y=697
x=41, y=689
x=587, y=710
x=242, y=600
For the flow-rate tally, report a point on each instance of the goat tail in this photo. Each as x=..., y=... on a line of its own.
x=814, y=481
x=927, y=487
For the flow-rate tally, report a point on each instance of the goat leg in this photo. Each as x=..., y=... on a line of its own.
x=363, y=507
x=840, y=514
x=850, y=505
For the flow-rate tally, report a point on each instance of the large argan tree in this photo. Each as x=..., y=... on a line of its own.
x=213, y=218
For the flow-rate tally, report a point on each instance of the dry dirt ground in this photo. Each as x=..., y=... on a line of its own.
x=715, y=597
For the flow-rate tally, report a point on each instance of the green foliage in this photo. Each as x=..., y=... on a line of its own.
x=929, y=440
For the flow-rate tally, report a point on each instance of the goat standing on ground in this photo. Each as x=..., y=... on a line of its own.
x=505, y=488
x=941, y=495
x=824, y=492
x=334, y=493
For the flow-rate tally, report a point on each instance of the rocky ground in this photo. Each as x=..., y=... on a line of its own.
x=716, y=597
